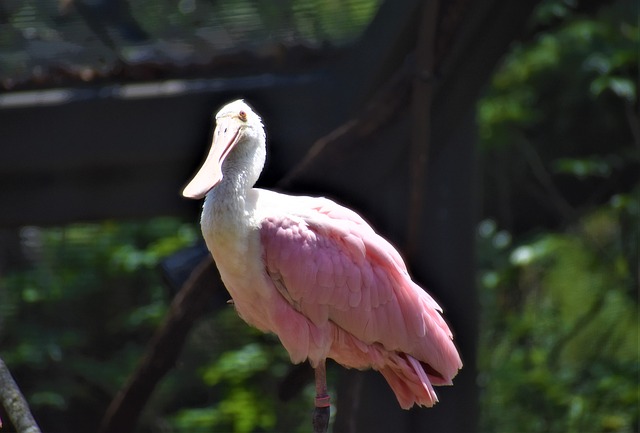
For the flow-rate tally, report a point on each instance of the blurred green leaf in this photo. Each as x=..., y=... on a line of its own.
x=583, y=168
x=48, y=398
x=623, y=87
x=237, y=366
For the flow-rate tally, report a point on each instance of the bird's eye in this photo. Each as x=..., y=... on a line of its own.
x=242, y=115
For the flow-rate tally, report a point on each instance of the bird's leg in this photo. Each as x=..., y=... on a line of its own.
x=321, y=412
x=322, y=397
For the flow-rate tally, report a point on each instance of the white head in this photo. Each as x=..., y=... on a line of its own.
x=238, y=142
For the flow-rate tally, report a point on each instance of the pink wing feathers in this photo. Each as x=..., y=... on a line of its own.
x=361, y=307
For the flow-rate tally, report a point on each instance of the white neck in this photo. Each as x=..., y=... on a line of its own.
x=225, y=207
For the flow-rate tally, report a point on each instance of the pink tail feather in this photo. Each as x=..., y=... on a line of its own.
x=409, y=382
x=410, y=379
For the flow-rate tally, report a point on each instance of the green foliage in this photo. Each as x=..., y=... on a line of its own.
x=582, y=59
x=232, y=373
x=242, y=407
x=228, y=380
x=560, y=339
x=559, y=332
x=76, y=319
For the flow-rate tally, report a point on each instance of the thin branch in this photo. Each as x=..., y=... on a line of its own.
x=15, y=404
x=377, y=113
x=190, y=303
x=578, y=326
x=540, y=172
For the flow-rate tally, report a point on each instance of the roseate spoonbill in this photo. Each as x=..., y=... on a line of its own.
x=316, y=274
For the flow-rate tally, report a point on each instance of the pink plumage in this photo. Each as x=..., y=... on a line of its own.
x=358, y=302
x=315, y=273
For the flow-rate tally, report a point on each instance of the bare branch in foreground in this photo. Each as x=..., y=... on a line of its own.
x=15, y=404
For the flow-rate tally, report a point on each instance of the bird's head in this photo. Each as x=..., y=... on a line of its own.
x=239, y=130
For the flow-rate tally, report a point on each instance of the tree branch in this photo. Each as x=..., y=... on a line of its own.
x=378, y=112
x=15, y=404
x=189, y=304
x=540, y=172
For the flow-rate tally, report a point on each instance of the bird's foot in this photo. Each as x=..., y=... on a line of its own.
x=321, y=414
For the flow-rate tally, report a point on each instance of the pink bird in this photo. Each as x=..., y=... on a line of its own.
x=316, y=274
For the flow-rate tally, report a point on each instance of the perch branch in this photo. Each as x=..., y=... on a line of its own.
x=15, y=404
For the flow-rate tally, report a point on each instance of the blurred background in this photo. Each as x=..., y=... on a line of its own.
x=496, y=143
